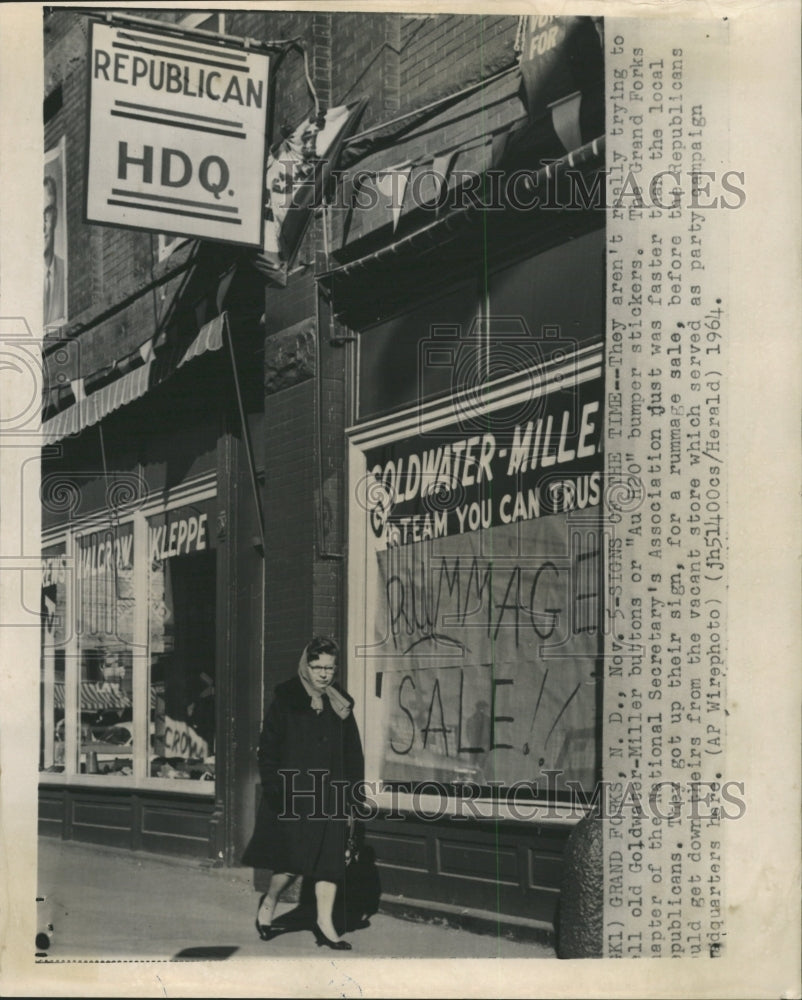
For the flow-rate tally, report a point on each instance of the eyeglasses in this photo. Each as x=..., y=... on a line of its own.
x=322, y=670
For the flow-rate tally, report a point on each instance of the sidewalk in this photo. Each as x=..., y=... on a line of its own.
x=106, y=903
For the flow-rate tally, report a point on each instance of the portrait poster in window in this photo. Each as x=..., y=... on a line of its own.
x=55, y=267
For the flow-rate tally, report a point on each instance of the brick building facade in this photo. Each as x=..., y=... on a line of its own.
x=262, y=399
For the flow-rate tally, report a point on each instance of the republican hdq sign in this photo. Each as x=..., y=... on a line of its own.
x=177, y=135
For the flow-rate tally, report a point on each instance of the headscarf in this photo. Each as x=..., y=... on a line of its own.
x=338, y=702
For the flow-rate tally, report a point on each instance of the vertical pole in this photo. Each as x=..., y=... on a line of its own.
x=246, y=437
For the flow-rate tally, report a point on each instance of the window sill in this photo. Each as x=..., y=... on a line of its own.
x=174, y=786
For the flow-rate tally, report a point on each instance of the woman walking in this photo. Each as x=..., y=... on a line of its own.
x=310, y=757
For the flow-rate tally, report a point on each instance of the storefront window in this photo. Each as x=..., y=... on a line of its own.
x=105, y=632
x=181, y=627
x=53, y=611
x=481, y=603
x=488, y=657
x=128, y=651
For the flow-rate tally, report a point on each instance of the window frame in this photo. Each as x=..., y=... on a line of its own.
x=362, y=581
x=199, y=490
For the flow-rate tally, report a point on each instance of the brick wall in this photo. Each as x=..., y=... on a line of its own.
x=441, y=53
x=65, y=67
x=329, y=564
x=365, y=62
x=106, y=264
x=286, y=306
x=292, y=99
x=289, y=528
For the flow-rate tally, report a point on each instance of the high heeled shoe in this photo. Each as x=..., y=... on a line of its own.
x=265, y=931
x=322, y=940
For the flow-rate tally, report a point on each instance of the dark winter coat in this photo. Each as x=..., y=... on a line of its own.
x=304, y=833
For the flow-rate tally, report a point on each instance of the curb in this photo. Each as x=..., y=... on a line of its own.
x=482, y=922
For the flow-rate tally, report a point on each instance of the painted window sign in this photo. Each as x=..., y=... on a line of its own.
x=537, y=457
x=178, y=535
x=483, y=631
x=105, y=607
x=176, y=135
x=181, y=644
x=487, y=646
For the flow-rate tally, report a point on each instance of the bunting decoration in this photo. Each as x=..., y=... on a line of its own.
x=299, y=169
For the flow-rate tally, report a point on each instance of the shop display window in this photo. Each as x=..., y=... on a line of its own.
x=105, y=633
x=128, y=650
x=476, y=609
x=181, y=627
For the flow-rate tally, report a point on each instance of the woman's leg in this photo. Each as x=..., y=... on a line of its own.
x=324, y=894
x=278, y=883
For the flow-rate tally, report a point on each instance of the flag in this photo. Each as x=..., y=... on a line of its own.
x=298, y=172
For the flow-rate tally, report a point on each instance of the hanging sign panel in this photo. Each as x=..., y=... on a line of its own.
x=177, y=135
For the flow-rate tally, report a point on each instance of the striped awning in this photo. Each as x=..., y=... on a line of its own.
x=210, y=338
x=99, y=697
x=94, y=407
x=95, y=697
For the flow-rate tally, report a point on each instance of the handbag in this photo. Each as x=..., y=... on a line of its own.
x=359, y=893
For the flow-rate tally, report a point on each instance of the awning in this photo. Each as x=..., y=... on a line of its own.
x=373, y=285
x=99, y=697
x=95, y=697
x=476, y=175
x=395, y=188
x=448, y=227
x=409, y=127
x=90, y=410
x=210, y=338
